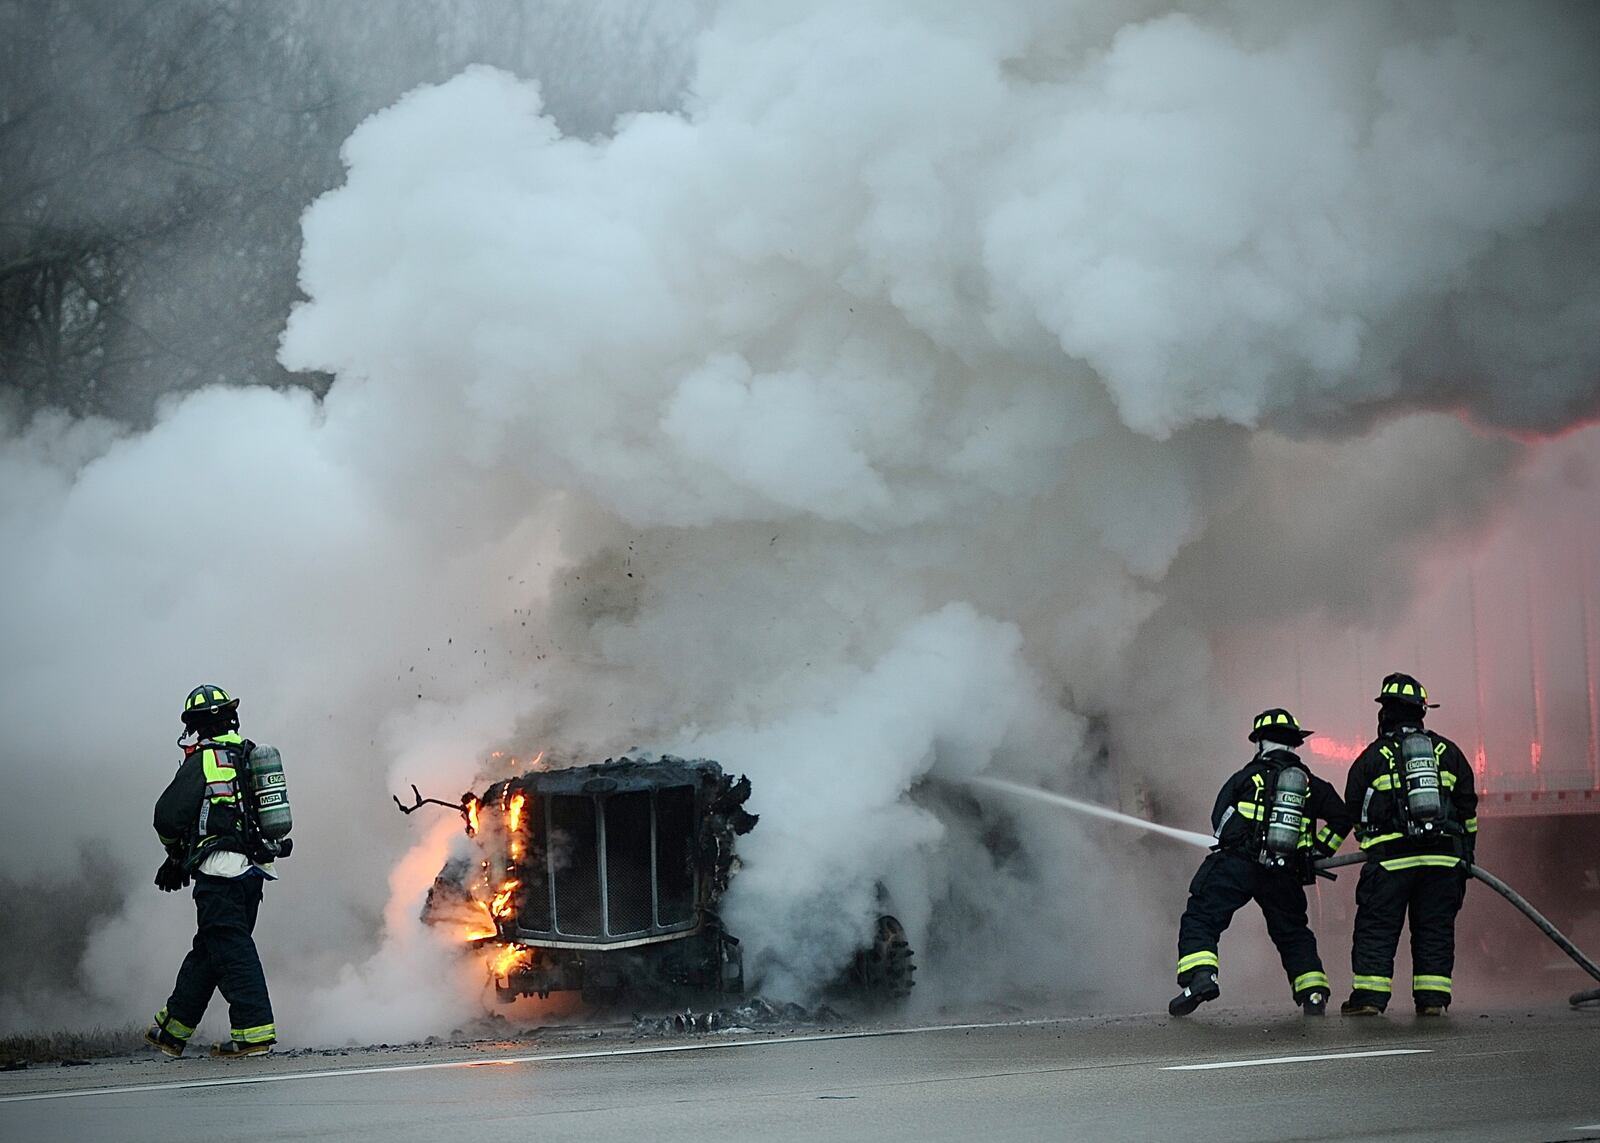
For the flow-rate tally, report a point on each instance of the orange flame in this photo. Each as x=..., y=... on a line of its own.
x=501, y=906
x=480, y=930
x=472, y=817
x=508, y=959
x=514, y=825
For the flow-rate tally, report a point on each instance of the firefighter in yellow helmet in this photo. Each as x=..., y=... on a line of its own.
x=1416, y=810
x=204, y=821
x=1267, y=839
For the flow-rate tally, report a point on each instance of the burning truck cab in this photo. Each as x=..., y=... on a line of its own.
x=600, y=879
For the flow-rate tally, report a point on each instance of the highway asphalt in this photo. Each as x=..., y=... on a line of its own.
x=1513, y=1074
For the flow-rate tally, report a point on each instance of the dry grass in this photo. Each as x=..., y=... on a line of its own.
x=55, y=1047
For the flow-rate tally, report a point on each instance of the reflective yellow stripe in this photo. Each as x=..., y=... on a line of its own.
x=1330, y=839
x=1472, y=825
x=1197, y=960
x=1380, y=839
x=1419, y=861
x=1249, y=810
x=218, y=777
x=257, y=1034
x=1447, y=780
x=1385, y=782
x=1430, y=984
x=1310, y=980
x=1372, y=983
x=173, y=1027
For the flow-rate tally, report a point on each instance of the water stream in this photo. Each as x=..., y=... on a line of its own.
x=1204, y=841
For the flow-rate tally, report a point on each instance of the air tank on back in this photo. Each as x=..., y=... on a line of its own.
x=271, y=792
x=1419, y=766
x=1286, y=818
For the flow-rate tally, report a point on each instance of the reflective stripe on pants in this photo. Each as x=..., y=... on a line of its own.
x=1224, y=883
x=1429, y=897
x=223, y=956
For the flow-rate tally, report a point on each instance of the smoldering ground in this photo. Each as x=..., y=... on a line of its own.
x=891, y=413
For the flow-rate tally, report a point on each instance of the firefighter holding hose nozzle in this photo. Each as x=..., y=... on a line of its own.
x=1265, y=824
x=224, y=818
x=1411, y=793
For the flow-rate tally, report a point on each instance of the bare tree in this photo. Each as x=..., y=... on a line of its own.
x=156, y=155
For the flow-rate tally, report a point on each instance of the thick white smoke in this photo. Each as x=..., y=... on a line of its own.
x=893, y=413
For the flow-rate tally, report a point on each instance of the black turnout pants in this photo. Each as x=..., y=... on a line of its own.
x=224, y=956
x=1431, y=896
x=1223, y=884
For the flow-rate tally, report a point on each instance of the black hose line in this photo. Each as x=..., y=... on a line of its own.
x=1522, y=905
x=1336, y=862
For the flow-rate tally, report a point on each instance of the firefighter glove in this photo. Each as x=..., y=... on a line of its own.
x=171, y=876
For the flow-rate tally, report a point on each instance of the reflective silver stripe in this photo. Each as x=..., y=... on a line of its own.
x=1226, y=814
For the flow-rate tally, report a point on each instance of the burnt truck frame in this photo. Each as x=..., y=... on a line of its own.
x=605, y=880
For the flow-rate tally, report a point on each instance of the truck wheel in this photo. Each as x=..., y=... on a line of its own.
x=886, y=969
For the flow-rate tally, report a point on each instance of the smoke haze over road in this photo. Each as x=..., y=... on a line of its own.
x=934, y=394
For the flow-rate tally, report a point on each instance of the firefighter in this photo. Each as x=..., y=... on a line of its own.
x=204, y=821
x=1265, y=825
x=1411, y=794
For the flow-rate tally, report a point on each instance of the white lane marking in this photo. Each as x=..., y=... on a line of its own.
x=542, y=1057
x=1295, y=1060
x=1587, y=1127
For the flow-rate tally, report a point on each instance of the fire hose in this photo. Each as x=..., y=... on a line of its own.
x=1327, y=863
x=1522, y=905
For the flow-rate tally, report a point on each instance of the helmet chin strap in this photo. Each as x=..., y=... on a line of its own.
x=192, y=735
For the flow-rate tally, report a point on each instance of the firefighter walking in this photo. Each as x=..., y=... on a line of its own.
x=207, y=820
x=1412, y=796
x=1263, y=821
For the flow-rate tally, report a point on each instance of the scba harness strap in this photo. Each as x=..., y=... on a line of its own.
x=226, y=818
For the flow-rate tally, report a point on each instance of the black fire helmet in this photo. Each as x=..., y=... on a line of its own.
x=1405, y=690
x=206, y=702
x=1278, y=725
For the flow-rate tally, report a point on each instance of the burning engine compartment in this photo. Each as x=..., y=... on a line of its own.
x=606, y=879
x=601, y=879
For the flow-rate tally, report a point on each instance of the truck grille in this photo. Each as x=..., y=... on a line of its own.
x=609, y=866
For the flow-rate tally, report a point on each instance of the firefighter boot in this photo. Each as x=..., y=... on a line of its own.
x=1354, y=1007
x=1431, y=1009
x=1315, y=1003
x=233, y=1049
x=1201, y=987
x=158, y=1037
